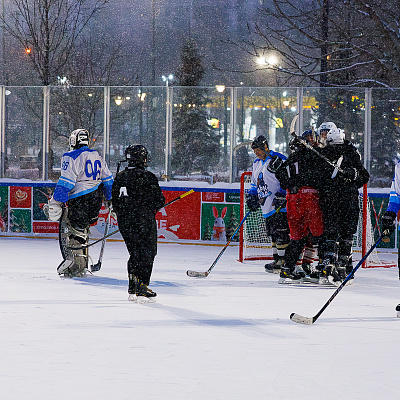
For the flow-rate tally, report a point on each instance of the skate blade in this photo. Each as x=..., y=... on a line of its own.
x=398, y=314
x=141, y=299
x=273, y=271
x=307, y=279
x=288, y=281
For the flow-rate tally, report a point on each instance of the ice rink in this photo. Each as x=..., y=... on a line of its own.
x=227, y=336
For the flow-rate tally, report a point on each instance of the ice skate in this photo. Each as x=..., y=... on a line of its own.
x=290, y=275
x=398, y=310
x=275, y=266
x=139, y=292
x=313, y=276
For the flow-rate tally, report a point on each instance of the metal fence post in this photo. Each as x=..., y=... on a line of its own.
x=106, y=128
x=3, y=150
x=46, y=132
x=299, y=125
x=232, y=131
x=168, y=132
x=367, y=129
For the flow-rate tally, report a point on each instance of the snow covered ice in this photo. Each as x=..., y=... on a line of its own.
x=227, y=336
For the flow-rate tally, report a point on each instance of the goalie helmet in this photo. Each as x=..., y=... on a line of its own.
x=137, y=155
x=259, y=143
x=335, y=136
x=78, y=138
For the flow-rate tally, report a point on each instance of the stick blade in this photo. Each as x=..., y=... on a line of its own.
x=195, y=274
x=301, y=320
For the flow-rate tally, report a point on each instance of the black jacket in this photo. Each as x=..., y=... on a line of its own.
x=136, y=193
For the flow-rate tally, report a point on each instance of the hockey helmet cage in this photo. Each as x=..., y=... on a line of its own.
x=137, y=155
x=78, y=138
x=335, y=136
x=326, y=126
x=259, y=143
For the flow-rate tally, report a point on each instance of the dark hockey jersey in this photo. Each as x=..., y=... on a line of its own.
x=136, y=191
x=299, y=170
x=350, y=161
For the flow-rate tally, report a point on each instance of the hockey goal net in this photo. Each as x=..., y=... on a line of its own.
x=256, y=245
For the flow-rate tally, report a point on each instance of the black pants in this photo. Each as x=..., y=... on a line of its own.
x=84, y=210
x=140, y=236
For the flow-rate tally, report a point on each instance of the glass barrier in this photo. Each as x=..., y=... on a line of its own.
x=23, y=122
x=192, y=133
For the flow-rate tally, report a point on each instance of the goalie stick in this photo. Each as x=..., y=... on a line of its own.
x=195, y=274
x=310, y=320
x=112, y=233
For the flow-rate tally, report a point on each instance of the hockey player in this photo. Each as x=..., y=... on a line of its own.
x=323, y=130
x=137, y=197
x=84, y=179
x=300, y=177
x=265, y=192
x=388, y=223
x=339, y=203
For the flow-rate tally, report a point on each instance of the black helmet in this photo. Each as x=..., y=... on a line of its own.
x=137, y=155
x=259, y=143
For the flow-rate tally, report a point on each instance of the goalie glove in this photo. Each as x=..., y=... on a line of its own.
x=388, y=224
x=54, y=210
x=252, y=202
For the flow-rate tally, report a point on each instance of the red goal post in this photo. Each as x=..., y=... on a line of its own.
x=254, y=244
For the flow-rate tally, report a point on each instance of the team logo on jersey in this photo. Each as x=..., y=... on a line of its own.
x=91, y=170
x=262, y=187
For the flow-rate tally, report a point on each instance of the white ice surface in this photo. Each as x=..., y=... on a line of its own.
x=227, y=336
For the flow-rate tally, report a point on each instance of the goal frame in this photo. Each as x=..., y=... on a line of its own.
x=363, y=248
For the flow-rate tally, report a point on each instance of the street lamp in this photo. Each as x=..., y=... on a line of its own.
x=167, y=79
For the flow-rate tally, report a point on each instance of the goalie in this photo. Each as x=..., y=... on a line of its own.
x=77, y=200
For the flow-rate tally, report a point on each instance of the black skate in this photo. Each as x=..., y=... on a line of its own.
x=398, y=310
x=274, y=267
x=291, y=275
x=312, y=276
x=139, y=292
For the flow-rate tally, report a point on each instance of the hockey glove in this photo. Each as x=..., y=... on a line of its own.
x=109, y=206
x=275, y=164
x=279, y=200
x=349, y=174
x=55, y=210
x=252, y=202
x=388, y=225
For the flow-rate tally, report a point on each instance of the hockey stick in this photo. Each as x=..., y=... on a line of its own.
x=96, y=267
x=196, y=274
x=112, y=233
x=310, y=320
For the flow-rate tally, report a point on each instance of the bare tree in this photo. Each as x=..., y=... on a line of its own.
x=328, y=43
x=48, y=30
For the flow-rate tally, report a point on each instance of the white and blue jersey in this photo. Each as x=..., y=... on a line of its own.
x=394, y=197
x=265, y=184
x=82, y=171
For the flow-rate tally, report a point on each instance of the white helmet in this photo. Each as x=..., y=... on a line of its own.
x=335, y=136
x=78, y=138
x=326, y=126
